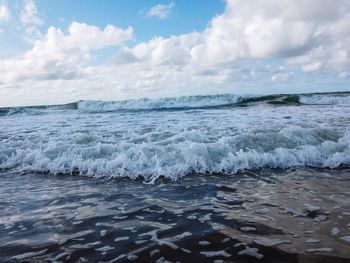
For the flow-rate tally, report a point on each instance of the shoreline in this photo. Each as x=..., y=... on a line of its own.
x=294, y=215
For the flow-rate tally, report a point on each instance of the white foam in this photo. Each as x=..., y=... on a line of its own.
x=316, y=250
x=204, y=243
x=194, y=102
x=118, y=239
x=335, y=231
x=312, y=208
x=325, y=99
x=183, y=235
x=210, y=254
x=30, y=254
x=104, y=249
x=173, y=144
x=346, y=238
x=253, y=252
x=163, y=103
x=248, y=229
x=270, y=242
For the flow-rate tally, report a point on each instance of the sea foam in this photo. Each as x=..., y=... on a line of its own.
x=173, y=144
x=219, y=101
x=163, y=103
x=325, y=99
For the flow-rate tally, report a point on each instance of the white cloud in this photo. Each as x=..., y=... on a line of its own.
x=300, y=31
x=29, y=14
x=281, y=77
x=344, y=75
x=62, y=56
x=161, y=11
x=4, y=13
x=312, y=67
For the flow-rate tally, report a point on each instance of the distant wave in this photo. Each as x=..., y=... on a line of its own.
x=37, y=110
x=186, y=103
x=211, y=101
x=318, y=99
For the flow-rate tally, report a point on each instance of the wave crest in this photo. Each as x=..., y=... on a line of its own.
x=185, y=103
x=211, y=102
x=176, y=155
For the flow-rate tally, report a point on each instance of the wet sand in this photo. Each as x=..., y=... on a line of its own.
x=300, y=215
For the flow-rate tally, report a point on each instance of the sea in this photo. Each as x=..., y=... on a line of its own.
x=216, y=178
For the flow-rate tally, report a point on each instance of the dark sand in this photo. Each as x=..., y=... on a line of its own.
x=298, y=215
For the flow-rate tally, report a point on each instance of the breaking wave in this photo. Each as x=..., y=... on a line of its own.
x=210, y=102
x=175, y=160
x=151, y=144
x=325, y=100
x=186, y=103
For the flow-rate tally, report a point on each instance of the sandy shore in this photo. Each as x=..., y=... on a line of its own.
x=300, y=215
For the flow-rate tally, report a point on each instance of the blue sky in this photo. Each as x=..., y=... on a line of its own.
x=62, y=51
x=186, y=16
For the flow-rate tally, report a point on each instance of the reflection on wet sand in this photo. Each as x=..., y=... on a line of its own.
x=265, y=216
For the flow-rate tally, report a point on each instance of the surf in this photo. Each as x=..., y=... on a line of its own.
x=185, y=103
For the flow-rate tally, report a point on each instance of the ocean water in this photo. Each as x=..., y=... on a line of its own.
x=220, y=178
x=174, y=137
x=299, y=215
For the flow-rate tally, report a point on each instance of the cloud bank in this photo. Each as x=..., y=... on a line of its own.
x=251, y=45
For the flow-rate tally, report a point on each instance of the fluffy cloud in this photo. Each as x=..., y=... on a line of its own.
x=311, y=33
x=281, y=77
x=61, y=56
x=4, y=13
x=161, y=11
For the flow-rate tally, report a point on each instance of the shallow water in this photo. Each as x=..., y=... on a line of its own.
x=268, y=216
x=201, y=178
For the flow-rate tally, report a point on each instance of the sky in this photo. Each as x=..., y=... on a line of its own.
x=54, y=52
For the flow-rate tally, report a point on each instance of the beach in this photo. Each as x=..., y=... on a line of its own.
x=296, y=215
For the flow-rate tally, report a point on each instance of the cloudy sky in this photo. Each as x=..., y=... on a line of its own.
x=63, y=51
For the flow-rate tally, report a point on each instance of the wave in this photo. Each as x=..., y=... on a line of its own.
x=211, y=102
x=176, y=144
x=174, y=162
x=186, y=103
x=37, y=110
x=172, y=103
